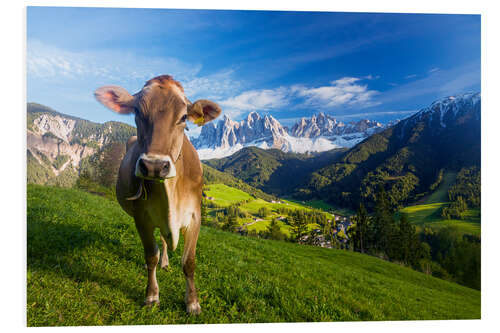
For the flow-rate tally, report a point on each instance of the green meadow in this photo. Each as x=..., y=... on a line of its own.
x=428, y=213
x=85, y=266
x=225, y=196
x=430, y=216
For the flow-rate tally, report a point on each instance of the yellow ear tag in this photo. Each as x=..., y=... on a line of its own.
x=200, y=121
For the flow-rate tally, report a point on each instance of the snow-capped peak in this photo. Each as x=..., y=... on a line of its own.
x=449, y=107
x=319, y=133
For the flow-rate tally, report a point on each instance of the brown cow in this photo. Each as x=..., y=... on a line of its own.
x=160, y=178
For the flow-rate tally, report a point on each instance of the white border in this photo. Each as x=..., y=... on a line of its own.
x=13, y=189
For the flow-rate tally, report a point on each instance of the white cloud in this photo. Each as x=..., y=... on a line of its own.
x=52, y=65
x=342, y=92
x=435, y=69
x=256, y=100
x=49, y=63
x=215, y=86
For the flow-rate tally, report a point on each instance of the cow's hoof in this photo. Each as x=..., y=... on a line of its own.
x=165, y=267
x=151, y=301
x=193, y=308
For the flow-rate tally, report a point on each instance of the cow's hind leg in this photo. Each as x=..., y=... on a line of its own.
x=152, y=256
x=164, y=254
x=188, y=266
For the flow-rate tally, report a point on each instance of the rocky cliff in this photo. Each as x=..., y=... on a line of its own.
x=58, y=144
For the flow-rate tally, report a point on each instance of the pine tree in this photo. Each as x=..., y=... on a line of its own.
x=404, y=240
x=383, y=222
x=231, y=223
x=328, y=231
x=274, y=230
x=298, y=226
x=359, y=236
x=263, y=212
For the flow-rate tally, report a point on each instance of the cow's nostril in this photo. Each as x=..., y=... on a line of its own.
x=166, y=167
x=142, y=167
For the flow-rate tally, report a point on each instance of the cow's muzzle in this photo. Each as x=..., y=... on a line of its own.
x=154, y=167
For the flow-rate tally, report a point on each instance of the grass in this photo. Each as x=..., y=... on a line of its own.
x=254, y=205
x=441, y=193
x=225, y=195
x=85, y=267
x=428, y=214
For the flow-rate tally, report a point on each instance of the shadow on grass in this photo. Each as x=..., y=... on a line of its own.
x=58, y=247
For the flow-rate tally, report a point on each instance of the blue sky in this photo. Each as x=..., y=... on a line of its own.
x=288, y=64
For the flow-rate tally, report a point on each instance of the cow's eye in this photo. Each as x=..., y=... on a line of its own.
x=183, y=119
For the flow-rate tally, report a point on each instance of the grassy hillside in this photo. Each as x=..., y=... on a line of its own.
x=428, y=214
x=214, y=176
x=225, y=196
x=85, y=267
x=441, y=193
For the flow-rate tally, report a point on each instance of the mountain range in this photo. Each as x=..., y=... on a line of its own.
x=321, y=132
x=405, y=158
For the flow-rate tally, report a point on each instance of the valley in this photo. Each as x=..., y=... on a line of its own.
x=425, y=169
x=224, y=196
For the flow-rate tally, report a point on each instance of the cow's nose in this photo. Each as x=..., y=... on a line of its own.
x=154, y=168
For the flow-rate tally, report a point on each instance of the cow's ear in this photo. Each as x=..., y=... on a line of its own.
x=116, y=99
x=203, y=111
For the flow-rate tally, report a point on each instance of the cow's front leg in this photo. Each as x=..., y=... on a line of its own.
x=188, y=266
x=164, y=254
x=152, y=256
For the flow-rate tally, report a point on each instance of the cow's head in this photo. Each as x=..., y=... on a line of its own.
x=161, y=110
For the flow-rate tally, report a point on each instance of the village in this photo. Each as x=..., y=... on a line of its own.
x=336, y=225
x=339, y=226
